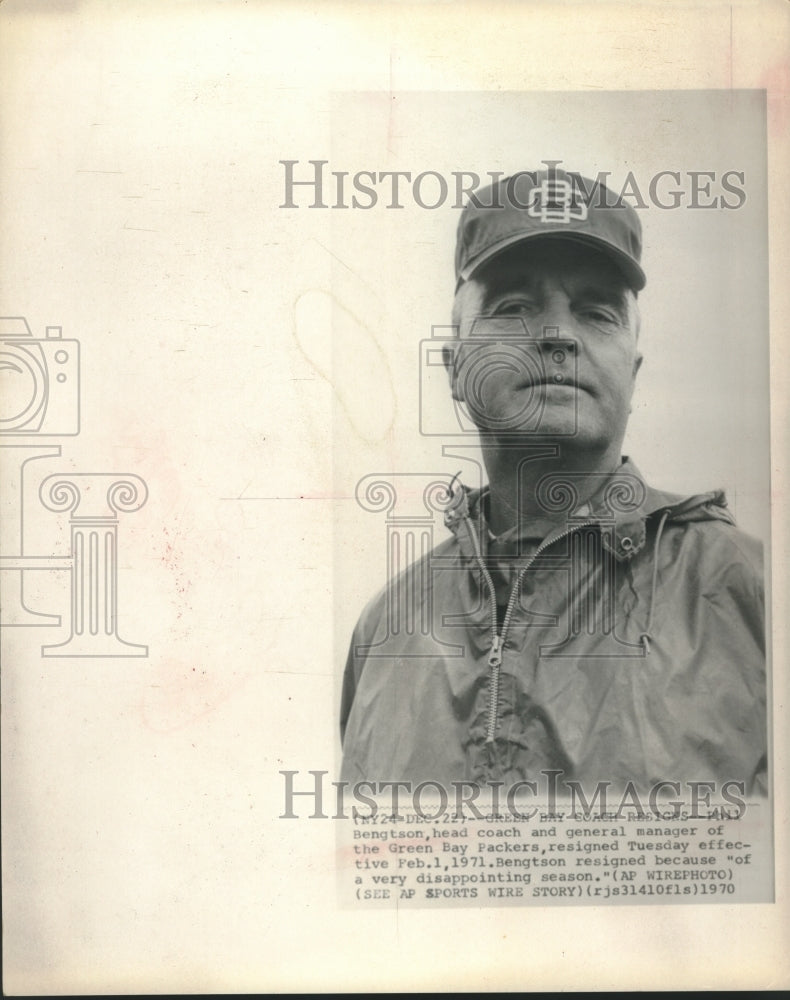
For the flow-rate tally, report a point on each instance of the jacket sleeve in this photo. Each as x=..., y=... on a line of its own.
x=350, y=678
x=743, y=637
x=368, y=628
x=355, y=661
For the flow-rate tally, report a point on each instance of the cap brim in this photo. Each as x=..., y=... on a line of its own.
x=633, y=273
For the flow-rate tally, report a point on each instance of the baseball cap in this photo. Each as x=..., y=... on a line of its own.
x=548, y=204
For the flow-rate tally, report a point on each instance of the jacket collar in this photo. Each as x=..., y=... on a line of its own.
x=621, y=506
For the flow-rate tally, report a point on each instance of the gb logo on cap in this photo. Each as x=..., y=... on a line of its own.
x=554, y=200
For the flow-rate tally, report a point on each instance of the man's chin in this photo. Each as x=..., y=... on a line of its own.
x=542, y=424
x=535, y=430
x=549, y=414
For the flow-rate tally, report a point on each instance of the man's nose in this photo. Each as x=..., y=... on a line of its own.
x=556, y=341
x=554, y=322
x=555, y=317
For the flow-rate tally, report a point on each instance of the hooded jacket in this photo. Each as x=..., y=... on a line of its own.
x=620, y=640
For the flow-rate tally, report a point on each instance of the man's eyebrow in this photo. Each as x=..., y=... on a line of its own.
x=612, y=295
x=513, y=283
x=607, y=294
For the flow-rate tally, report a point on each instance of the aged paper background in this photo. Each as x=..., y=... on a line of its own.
x=140, y=184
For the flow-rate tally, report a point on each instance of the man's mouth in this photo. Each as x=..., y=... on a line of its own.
x=553, y=380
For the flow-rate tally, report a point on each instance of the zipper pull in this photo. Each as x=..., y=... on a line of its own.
x=495, y=656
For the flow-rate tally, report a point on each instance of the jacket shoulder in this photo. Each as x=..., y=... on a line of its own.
x=708, y=520
x=723, y=547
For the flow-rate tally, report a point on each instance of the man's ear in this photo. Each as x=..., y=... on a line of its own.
x=450, y=359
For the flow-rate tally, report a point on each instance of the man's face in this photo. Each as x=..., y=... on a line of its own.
x=548, y=345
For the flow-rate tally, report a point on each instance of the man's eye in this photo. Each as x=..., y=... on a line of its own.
x=599, y=315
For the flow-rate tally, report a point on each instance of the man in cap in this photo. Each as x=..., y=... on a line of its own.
x=581, y=622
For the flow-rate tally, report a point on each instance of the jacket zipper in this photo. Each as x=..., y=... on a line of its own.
x=498, y=637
